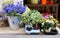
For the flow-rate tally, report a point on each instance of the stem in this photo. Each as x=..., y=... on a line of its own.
x=28, y=24
x=22, y=23
x=36, y=25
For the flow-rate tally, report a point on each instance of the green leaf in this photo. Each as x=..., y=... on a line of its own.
x=8, y=2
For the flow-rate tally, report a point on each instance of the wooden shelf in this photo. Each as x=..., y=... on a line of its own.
x=38, y=6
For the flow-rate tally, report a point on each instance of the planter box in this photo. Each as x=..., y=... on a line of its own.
x=32, y=31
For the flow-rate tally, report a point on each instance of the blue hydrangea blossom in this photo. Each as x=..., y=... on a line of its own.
x=11, y=8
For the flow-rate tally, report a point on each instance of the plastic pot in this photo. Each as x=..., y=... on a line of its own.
x=52, y=32
x=29, y=29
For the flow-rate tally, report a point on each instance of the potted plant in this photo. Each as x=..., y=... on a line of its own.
x=36, y=18
x=53, y=28
x=49, y=26
x=13, y=11
x=23, y=16
x=26, y=19
x=27, y=22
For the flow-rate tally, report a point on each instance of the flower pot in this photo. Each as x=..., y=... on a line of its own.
x=28, y=28
x=35, y=26
x=40, y=26
x=44, y=1
x=34, y=1
x=52, y=32
x=13, y=23
x=58, y=26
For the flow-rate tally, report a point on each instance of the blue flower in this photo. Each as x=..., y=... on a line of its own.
x=7, y=8
x=10, y=8
x=13, y=8
x=21, y=2
x=9, y=11
x=24, y=8
x=2, y=17
x=19, y=11
x=18, y=3
x=13, y=22
x=8, y=5
x=18, y=7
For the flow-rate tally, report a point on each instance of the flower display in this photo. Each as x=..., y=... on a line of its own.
x=36, y=17
x=51, y=22
x=12, y=9
x=25, y=17
x=46, y=15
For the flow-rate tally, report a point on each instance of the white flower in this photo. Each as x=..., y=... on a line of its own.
x=52, y=22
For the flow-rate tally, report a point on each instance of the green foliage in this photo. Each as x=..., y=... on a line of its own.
x=47, y=25
x=36, y=17
x=8, y=2
x=25, y=16
x=32, y=16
